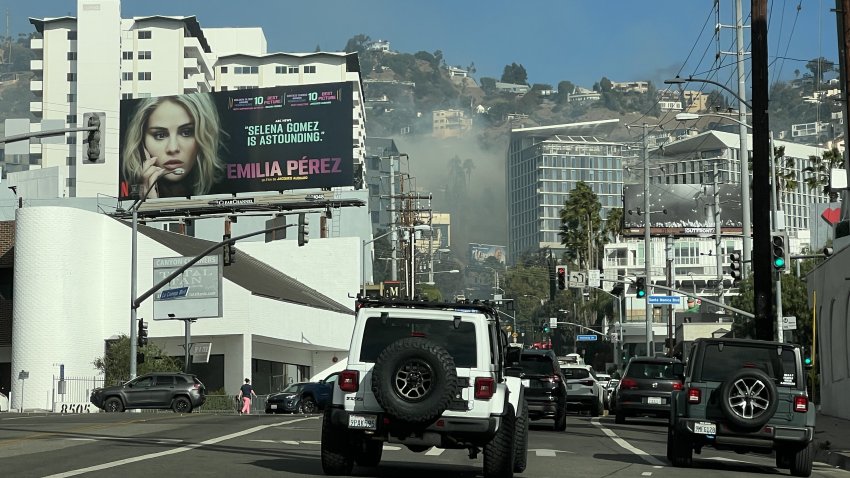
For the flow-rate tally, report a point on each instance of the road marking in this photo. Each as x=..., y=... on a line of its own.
x=646, y=473
x=435, y=451
x=174, y=451
x=628, y=446
x=547, y=452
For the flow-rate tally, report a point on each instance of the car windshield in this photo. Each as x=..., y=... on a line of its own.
x=575, y=373
x=651, y=370
x=459, y=342
x=536, y=364
x=721, y=360
x=294, y=388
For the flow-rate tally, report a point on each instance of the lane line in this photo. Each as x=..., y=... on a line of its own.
x=212, y=441
x=435, y=451
x=628, y=446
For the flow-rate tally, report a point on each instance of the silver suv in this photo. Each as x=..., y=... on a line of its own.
x=745, y=396
x=422, y=375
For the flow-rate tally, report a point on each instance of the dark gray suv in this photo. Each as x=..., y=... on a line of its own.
x=645, y=388
x=164, y=390
x=744, y=396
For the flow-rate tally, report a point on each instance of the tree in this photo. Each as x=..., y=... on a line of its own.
x=515, y=74
x=357, y=44
x=581, y=225
x=115, y=364
x=716, y=101
x=820, y=172
x=819, y=66
x=613, y=228
x=605, y=85
x=488, y=84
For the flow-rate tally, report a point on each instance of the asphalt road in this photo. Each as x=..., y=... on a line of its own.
x=145, y=445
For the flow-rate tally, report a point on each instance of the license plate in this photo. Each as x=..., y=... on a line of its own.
x=273, y=406
x=704, y=428
x=655, y=400
x=363, y=422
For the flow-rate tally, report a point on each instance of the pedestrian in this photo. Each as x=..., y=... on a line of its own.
x=245, y=394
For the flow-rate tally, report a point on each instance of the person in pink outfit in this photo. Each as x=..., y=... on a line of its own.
x=246, y=392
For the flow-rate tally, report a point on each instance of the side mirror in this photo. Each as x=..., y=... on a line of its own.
x=513, y=372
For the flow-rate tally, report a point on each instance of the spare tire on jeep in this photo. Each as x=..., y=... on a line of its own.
x=414, y=380
x=748, y=398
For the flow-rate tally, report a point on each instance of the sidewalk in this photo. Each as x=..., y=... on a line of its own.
x=832, y=441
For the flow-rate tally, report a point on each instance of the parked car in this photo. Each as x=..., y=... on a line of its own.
x=603, y=379
x=546, y=389
x=180, y=392
x=609, y=390
x=645, y=388
x=303, y=397
x=583, y=390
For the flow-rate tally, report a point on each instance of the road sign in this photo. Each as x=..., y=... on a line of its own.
x=174, y=293
x=576, y=279
x=789, y=323
x=553, y=322
x=586, y=338
x=594, y=278
x=201, y=352
x=664, y=299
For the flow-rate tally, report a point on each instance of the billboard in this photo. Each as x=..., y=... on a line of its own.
x=478, y=253
x=682, y=209
x=194, y=294
x=227, y=142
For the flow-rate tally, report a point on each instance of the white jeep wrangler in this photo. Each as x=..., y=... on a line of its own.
x=425, y=374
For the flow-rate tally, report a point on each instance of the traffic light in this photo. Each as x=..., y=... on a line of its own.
x=561, y=272
x=94, y=150
x=142, y=337
x=735, y=266
x=303, y=229
x=807, y=357
x=228, y=251
x=779, y=250
x=640, y=285
x=544, y=325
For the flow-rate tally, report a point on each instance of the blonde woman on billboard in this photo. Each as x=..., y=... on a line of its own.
x=172, y=146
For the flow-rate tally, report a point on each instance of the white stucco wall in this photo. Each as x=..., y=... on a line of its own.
x=72, y=290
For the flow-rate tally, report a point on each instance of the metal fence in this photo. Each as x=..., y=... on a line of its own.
x=75, y=390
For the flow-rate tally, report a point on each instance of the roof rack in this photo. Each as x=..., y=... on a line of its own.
x=485, y=306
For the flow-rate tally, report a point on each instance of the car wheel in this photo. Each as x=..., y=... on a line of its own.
x=680, y=449
x=113, y=404
x=369, y=452
x=308, y=405
x=337, y=454
x=181, y=405
x=561, y=416
x=414, y=380
x=499, y=451
x=801, y=462
x=748, y=398
x=521, y=449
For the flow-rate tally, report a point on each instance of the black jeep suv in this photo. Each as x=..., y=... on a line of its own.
x=177, y=391
x=546, y=388
x=745, y=396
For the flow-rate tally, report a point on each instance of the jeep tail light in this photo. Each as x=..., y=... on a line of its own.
x=484, y=388
x=677, y=385
x=349, y=380
x=694, y=395
x=628, y=384
x=801, y=403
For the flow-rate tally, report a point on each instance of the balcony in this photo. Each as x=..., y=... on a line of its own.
x=35, y=148
x=191, y=64
x=37, y=108
x=37, y=87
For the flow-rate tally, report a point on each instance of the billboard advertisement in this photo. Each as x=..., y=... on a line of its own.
x=478, y=253
x=266, y=139
x=682, y=209
x=194, y=294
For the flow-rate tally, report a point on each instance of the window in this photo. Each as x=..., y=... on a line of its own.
x=246, y=70
x=126, y=96
x=71, y=97
x=144, y=55
x=71, y=119
x=224, y=69
x=246, y=87
x=72, y=77
x=293, y=69
x=127, y=55
x=144, y=35
x=72, y=55
x=71, y=139
x=460, y=342
x=310, y=69
x=223, y=88
x=144, y=95
x=72, y=34
x=280, y=69
x=127, y=76
x=144, y=76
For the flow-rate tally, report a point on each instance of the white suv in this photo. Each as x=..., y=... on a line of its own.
x=425, y=374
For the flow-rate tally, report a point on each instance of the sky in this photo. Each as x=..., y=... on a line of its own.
x=576, y=40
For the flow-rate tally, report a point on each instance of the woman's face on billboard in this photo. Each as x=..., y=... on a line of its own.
x=170, y=138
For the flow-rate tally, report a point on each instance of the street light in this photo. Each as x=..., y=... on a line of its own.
x=743, y=152
x=134, y=247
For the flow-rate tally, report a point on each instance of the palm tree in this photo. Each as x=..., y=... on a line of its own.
x=614, y=224
x=784, y=177
x=468, y=166
x=820, y=171
x=581, y=225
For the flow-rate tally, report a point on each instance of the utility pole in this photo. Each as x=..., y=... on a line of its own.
x=647, y=246
x=668, y=243
x=842, y=7
x=743, y=152
x=762, y=293
x=393, y=221
x=717, y=235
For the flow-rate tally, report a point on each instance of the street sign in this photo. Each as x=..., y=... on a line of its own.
x=789, y=323
x=173, y=293
x=594, y=278
x=553, y=322
x=586, y=338
x=664, y=299
x=576, y=279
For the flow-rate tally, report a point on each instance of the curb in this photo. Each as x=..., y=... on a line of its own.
x=832, y=458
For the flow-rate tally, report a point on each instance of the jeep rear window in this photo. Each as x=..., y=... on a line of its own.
x=650, y=370
x=460, y=342
x=719, y=363
x=537, y=364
